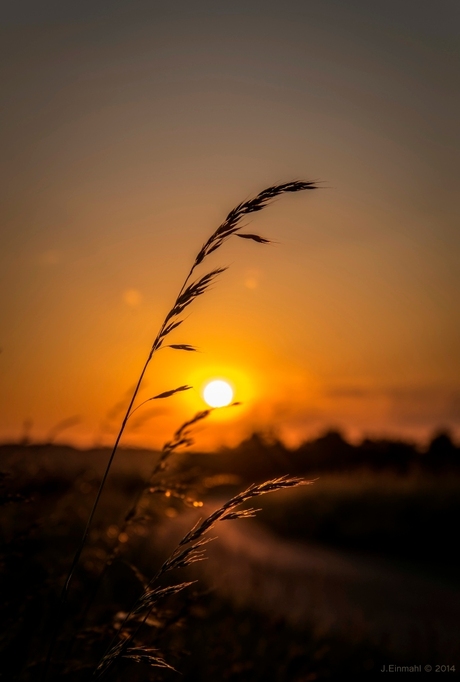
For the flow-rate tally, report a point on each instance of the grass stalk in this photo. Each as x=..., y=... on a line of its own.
x=187, y=295
x=189, y=551
x=181, y=438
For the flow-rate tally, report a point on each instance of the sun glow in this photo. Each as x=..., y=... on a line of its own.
x=218, y=393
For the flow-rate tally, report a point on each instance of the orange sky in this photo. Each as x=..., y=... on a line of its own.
x=129, y=130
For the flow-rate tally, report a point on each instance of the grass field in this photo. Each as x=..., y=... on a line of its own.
x=303, y=596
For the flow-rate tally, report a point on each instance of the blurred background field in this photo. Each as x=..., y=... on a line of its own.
x=357, y=570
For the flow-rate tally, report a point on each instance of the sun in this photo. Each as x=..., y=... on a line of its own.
x=218, y=393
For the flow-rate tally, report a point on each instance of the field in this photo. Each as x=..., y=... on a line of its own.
x=353, y=572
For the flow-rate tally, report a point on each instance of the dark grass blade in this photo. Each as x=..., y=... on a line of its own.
x=254, y=237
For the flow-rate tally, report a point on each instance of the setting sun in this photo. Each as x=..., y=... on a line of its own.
x=218, y=393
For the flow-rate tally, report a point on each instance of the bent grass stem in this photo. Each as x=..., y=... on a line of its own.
x=187, y=294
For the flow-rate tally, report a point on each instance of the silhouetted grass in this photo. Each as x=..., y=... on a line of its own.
x=189, y=292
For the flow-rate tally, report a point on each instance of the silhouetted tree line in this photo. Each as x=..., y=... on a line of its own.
x=258, y=457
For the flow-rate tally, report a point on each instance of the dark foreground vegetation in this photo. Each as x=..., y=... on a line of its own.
x=383, y=500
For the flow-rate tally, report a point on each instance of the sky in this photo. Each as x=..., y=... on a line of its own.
x=128, y=130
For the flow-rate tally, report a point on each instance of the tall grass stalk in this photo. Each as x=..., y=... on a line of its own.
x=189, y=551
x=188, y=293
x=181, y=438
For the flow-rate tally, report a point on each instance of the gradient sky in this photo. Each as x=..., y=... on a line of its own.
x=129, y=129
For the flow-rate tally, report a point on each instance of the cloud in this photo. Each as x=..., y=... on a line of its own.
x=401, y=406
x=350, y=392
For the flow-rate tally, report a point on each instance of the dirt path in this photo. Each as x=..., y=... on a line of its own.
x=333, y=590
